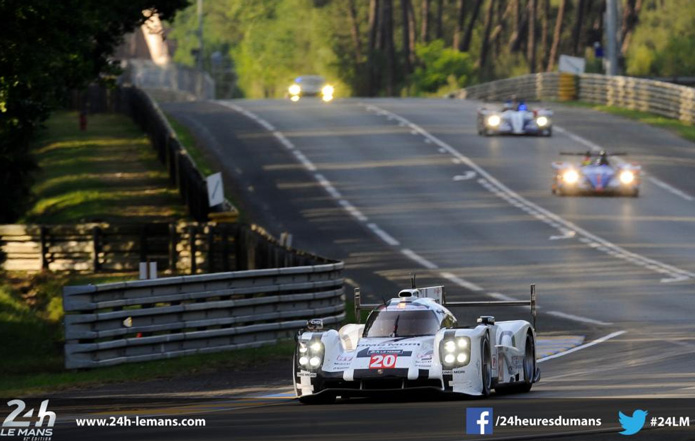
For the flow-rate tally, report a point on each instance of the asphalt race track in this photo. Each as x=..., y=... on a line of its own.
x=395, y=186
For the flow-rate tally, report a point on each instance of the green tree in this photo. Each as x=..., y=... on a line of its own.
x=48, y=48
x=441, y=69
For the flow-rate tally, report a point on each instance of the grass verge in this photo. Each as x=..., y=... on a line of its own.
x=678, y=127
x=188, y=141
x=203, y=161
x=107, y=173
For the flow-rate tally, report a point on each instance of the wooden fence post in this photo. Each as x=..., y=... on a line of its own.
x=43, y=232
x=96, y=233
x=191, y=237
x=173, y=254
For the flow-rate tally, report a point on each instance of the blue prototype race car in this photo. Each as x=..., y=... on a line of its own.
x=596, y=175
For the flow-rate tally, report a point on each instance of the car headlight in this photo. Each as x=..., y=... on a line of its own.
x=328, y=90
x=455, y=352
x=627, y=177
x=571, y=176
x=326, y=98
x=295, y=89
x=542, y=121
x=494, y=120
x=311, y=353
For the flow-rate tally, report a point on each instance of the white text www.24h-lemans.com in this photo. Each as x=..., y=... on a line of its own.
x=124, y=421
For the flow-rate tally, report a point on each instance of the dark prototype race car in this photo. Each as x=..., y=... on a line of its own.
x=596, y=175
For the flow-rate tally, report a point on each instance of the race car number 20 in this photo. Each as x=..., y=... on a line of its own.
x=380, y=361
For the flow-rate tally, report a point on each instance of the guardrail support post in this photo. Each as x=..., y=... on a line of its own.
x=358, y=310
x=533, y=305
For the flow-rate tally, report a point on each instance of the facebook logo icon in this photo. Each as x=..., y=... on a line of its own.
x=479, y=421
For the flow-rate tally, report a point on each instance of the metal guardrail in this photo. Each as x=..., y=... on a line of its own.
x=661, y=98
x=155, y=319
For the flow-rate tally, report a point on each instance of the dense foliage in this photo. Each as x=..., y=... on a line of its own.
x=48, y=48
x=399, y=47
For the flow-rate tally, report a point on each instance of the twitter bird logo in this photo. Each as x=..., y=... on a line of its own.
x=633, y=424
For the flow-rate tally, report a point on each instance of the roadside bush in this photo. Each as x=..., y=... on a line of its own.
x=440, y=69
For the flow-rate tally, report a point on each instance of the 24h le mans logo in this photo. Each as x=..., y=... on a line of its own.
x=19, y=423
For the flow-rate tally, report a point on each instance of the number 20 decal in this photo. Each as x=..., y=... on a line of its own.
x=379, y=361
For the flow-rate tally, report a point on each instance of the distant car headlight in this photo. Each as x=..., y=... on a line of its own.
x=462, y=343
x=494, y=120
x=328, y=90
x=303, y=360
x=571, y=176
x=295, y=89
x=316, y=347
x=627, y=177
x=315, y=361
x=450, y=346
x=294, y=98
x=462, y=357
x=449, y=359
x=542, y=121
x=326, y=98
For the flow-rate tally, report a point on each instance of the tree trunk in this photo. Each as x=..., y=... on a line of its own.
x=577, y=32
x=531, y=48
x=485, y=45
x=460, y=19
x=544, y=35
x=389, y=47
x=425, y=27
x=412, y=32
x=439, y=25
x=630, y=20
x=556, y=35
x=371, y=54
x=471, y=24
x=407, y=48
x=516, y=20
x=355, y=31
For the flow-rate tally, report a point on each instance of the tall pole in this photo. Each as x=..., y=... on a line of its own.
x=611, y=38
x=200, y=35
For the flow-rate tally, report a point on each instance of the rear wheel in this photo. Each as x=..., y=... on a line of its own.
x=529, y=364
x=486, y=367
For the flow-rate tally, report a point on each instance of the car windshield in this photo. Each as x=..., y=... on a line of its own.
x=401, y=323
x=311, y=81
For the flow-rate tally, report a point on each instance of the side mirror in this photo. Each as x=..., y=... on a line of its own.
x=314, y=325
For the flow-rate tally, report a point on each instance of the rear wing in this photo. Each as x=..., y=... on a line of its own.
x=431, y=292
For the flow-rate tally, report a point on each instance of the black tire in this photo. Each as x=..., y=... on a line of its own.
x=485, y=367
x=324, y=398
x=529, y=364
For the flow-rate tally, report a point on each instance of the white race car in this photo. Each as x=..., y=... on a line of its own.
x=515, y=120
x=413, y=342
